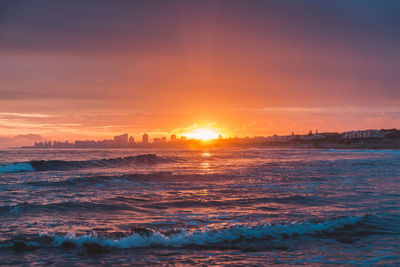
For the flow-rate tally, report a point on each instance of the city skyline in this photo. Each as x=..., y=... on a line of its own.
x=128, y=141
x=202, y=136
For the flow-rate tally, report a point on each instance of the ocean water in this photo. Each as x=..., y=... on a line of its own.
x=199, y=207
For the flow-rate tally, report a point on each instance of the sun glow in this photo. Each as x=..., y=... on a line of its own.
x=202, y=134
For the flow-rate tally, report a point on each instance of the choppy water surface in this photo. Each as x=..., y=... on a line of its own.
x=225, y=206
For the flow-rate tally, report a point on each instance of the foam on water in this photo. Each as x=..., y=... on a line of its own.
x=16, y=167
x=209, y=237
x=243, y=207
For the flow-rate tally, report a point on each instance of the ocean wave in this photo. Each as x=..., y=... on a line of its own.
x=237, y=202
x=132, y=177
x=16, y=167
x=62, y=165
x=131, y=204
x=69, y=206
x=344, y=229
x=376, y=151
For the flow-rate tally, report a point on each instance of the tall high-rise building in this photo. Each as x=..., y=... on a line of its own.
x=145, y=139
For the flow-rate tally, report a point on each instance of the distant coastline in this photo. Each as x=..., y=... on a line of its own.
x=366, y=139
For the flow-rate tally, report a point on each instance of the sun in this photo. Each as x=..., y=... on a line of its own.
x=204, y=134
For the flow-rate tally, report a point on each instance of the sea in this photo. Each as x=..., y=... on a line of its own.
x=201, y=207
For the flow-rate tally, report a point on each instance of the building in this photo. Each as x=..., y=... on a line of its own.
x=145, y=139
x=131, y=140
x=121, y=140
x=363, y=134
x=161, y=140
x=173, y=138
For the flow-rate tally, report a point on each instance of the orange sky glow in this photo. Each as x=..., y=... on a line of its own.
x=235, y=68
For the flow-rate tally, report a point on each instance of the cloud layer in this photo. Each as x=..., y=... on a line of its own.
x=308, y=63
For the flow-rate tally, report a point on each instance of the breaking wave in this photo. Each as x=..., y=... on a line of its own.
x=344, y=229
x=16, y=167
x=62, y=165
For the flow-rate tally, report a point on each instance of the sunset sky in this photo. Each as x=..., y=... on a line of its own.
x=92, y=69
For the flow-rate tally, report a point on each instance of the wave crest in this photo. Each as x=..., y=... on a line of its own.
x=62, y=165
x=16, y=167
x=344, y=229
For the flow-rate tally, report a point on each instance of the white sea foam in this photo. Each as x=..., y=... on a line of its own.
x=16, y=167
x=210, y=237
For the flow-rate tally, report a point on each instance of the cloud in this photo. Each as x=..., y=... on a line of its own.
x=290, y=64
x=25, y=115
x=84, y=27
x=324, y=110
x=382, y=121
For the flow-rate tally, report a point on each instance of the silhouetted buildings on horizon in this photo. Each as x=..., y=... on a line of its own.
x=119, y=141
x=145, y=139
x=126, y=141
